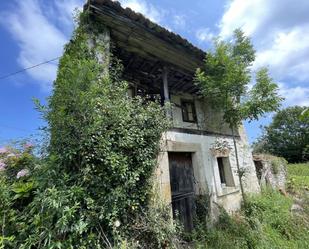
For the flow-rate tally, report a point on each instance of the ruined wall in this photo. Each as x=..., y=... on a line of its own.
x=271, y=171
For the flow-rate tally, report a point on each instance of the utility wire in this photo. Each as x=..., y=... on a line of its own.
x=13, y=128
x=25, y=69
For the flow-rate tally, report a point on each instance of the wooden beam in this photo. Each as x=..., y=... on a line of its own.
x=155, y=67
x=130, y=62
x=165, y=85
x=180, y=82
x=143, y=41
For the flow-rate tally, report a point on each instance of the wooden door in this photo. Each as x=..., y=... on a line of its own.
x=182, y=186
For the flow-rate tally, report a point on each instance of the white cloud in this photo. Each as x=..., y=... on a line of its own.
x=42, y=28
x=241, y=14
x=294, y=95
x=280, y=32
x=179, y=21
x=288, y=54
x=66, y=9
x=204, y=35
x=37, y=36
x=145, y=8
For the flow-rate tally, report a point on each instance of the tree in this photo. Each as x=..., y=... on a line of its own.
x=287, y=136
x=305, y=114
x=225, y=80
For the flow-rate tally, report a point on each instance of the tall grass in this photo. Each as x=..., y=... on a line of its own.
x=298, y=176
x=266, y=222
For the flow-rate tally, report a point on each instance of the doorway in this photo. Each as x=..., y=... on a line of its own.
x=182, y=188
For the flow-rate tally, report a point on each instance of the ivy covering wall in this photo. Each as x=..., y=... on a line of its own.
x=101, y=158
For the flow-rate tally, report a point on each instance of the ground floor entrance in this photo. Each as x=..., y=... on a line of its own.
x=182, y=188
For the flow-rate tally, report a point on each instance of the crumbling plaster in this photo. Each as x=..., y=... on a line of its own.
x=206, y=172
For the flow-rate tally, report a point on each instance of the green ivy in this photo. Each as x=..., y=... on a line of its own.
x=101, y=158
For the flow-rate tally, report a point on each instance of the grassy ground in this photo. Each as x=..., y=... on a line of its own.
x=267, y=221
x=298, y=176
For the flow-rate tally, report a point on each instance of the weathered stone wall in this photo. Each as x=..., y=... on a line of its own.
x=208, y=119
x=272, y=171
x=206, y=170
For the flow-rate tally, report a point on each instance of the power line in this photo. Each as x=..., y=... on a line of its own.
x=14, y=128
x=25, y=69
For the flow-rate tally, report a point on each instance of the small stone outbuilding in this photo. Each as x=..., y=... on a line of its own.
x=271, y=171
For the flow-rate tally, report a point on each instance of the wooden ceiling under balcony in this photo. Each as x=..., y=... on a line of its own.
x=145, y=48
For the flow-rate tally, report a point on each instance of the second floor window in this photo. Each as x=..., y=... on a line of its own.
x=188, y=111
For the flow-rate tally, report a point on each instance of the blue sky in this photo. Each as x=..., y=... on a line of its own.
x=33, y=31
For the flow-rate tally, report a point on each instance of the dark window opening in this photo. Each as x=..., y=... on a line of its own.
x=188, y=111
x=225, y=171
x=259, y=169
x=221, y=170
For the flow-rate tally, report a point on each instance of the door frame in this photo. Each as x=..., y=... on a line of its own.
x=180, y=163
x=196, y=155
x=163, y=173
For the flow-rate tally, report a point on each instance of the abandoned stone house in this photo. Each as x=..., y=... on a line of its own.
x=161, y=64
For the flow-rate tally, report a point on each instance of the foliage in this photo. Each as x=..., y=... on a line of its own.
x=305, y=114
x=155, y=228
x=102, y=154
x=17, y=188
x=287, y=136
x=265, y=222
x=226, y=78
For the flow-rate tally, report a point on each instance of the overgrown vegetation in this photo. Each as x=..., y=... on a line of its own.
x=96, y=181
x=94, y=188
x=298, y=177
x=17, y=190
x=287, y=136
x=265, y=222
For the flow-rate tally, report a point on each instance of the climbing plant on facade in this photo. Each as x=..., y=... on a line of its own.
x=224, y=82
x=102, y=152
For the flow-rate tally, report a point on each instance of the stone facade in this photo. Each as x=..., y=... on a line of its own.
x=205, y=164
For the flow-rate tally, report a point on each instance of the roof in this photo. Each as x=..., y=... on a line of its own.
x=157, y=40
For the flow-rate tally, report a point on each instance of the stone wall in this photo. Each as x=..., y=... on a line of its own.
x=208, y=119
x=206, y=170
x=271, y=171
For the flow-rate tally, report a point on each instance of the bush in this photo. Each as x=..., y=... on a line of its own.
x=103, y=151
x=155, y=228
x=17, y=189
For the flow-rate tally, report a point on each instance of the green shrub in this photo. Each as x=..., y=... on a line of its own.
x=277, y=163
x=96, y=179
x=17, y=189
x=155, y=228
